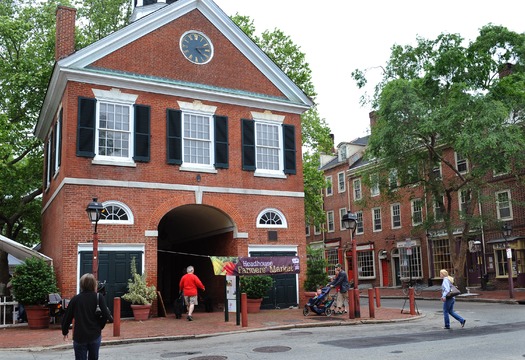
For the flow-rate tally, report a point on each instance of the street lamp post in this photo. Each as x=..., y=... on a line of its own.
x=507, y=230
x=349, y=221
x=94, y=210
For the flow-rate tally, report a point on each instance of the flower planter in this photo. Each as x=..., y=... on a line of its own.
x=37, y=316
x=141, y=312
x=253, y=305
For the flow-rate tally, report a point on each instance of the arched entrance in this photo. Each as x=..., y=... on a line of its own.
x=188, y=235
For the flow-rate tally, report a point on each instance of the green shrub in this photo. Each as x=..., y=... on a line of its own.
x=316, y=265
x=139, y=293
x=33, y=281
x=256, y=287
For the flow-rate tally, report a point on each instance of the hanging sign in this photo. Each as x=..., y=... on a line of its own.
x=246, y=266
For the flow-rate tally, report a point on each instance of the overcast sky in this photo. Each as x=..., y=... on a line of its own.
x=340, y=36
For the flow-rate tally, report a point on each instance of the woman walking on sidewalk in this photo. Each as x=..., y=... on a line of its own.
x=448, y=302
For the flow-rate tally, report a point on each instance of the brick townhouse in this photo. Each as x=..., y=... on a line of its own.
x=388, y=225
x=190, y=137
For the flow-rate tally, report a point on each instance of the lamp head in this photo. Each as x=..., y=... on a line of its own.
x=506, y=229
x=94, y=209
x=349, y=221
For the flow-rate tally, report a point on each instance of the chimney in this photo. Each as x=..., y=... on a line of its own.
x=65, y=32
x=372, y=115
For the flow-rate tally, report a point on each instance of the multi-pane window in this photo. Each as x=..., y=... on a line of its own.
x=365, y=264
x=197, y=149
x=441, y=256
x=116, y=213
x=410, y=265
x=374, y=185
x=114, y=130
x=359, y=229
x=329, y=186
x=342, y=212
x=438, y=209
x=376, y=219
x=436, y=171
x=357, y=189
x=501, y=262
x=417, y=211
x=341, y=184
x=464, y=199
x=393, y=181
x=461, y=163
x=504, y=205
x=271, y=218
x=317, y=229
x=307, y=230
x=332, y=258
x=268, y=146
x=395, y=210
x=330, y=221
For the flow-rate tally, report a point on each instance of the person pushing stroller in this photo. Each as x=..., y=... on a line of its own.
x=341, y=281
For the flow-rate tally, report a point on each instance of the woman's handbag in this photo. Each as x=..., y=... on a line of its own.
x=454, y=291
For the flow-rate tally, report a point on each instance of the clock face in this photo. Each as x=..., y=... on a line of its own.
x=196, y=47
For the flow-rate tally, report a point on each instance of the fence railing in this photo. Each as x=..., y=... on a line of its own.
x=8, y=311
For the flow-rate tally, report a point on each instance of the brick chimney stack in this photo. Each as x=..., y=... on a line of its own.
x=65, y=32
x=372, y=115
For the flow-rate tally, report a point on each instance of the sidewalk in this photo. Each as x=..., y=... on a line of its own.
x=209, y=324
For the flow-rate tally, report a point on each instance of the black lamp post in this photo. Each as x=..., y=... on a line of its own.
x=507, y=230
x=349, y=221
x=94, y=210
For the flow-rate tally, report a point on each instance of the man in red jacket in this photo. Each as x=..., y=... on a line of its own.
x=189, y=285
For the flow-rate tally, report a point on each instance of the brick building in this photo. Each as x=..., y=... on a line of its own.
x=394, y=241
x=190, y=137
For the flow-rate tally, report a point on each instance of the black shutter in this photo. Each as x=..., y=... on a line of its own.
x=142, y=133
x=248, y=144
x=59, y=137
x=86, y=127
x=289, y=149
x=174, y=132
x=221, y=142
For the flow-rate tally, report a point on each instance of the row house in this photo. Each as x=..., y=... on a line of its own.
x=190, y=137
x=394, y=240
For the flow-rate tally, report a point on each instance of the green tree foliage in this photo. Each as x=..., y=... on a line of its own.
x=316, y=265
x=315, y=131
x=448, y=93
x=27, y=53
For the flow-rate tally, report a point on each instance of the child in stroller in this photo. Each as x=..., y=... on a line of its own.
x=321, y=303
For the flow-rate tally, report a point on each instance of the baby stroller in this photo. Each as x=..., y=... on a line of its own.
x=320, y=304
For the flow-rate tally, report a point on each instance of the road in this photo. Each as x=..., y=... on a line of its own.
x=493, y=331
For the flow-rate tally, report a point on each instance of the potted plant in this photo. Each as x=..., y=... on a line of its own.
x=255, y=288
x=32, y=282
x=139, y=294
x=316, y=274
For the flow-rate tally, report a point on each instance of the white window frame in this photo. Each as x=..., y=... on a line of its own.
x=307, y=230
x=330, y=222
x=413, y=211
x=358, y=190
x=284, y=223
x=206, y=112
x=317, y=229
x=376, y=216
x=461, y=161
x=341, y=185
x=329, y=191
x=393, y=215
x=360, y=228
x=124, y=207
x=342, y=212
x=374, y=185
x=499, y=204
x=115, y=97
x=438, y=215
x=393, y=179
x=274, y=121
x=462, y=201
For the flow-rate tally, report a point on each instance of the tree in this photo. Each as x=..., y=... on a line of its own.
x=448, y=93
x=315, y=132
x=27, y=53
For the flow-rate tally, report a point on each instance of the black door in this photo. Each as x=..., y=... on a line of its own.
x=284, y=292
x=114, y=268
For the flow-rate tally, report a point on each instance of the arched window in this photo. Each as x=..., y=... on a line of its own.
x=116, y=213
x=271, y=218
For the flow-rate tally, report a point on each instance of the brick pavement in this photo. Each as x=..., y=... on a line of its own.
x=207, y=324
